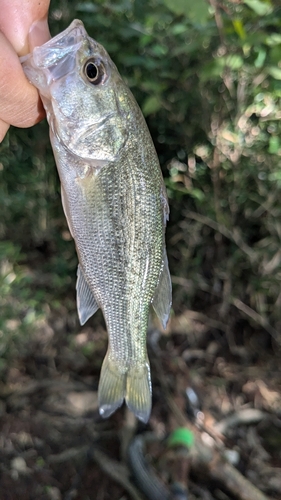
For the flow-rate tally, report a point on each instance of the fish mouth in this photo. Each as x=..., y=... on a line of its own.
x=56, y=58
x=65, y=43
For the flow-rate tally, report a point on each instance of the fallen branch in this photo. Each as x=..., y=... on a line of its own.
x=116, y=471
x=215, y=465
x=230, y=235
x=257, y=318
x=69, y=454
x=248, y=311
x=234, y=481
x=241, y=417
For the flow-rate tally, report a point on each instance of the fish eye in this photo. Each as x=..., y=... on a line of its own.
x=94, y=71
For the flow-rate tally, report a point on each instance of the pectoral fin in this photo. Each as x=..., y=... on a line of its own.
x=66, y=209
x=162, y=299
x=86, y=302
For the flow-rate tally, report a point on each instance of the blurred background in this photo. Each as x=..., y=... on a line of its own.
x=207, y=76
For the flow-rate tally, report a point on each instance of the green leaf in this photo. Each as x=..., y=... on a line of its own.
x=274, y=145
x=198, y=11
x=178, y=29
x=259, y=7
x=159, y=50
x=87, y=7
x=234, y=61
x=261, y=58
x=274, y=72
x=239, y=28
x=215, y=68
x=151, y=105
x=178, y=7
x=197, y=194
x=273, y=39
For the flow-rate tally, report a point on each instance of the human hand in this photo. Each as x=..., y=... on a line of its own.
x=23, y=26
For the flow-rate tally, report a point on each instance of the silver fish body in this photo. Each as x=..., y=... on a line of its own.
x=115, y=203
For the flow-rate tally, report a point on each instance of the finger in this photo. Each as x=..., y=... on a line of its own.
x=19, y=101
x=39, y=33
x=16, y=18
x=4, y=127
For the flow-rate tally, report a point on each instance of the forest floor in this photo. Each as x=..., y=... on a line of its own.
x=225, y=391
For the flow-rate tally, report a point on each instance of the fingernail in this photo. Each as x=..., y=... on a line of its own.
x=39, y=33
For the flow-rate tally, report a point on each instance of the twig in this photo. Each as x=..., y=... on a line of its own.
x=216, y=466
x=117, y=471
x=69, y=454
x=220, y=228
x=251, y=313
x=241, y=417
x=80, y=455
x=219, y=21
x=209, y=457
x=203, y=318
x=234, y=481
x=127, y=432
x=257, y=318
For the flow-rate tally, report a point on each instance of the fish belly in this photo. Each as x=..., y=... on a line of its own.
x=116, y=219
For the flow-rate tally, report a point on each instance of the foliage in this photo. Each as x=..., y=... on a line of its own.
x=208, y=79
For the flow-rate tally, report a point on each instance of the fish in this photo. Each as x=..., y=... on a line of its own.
x=115, y=203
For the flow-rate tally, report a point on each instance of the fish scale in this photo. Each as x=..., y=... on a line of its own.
x=115, y=203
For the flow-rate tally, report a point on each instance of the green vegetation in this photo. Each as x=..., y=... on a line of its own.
x=207, y=76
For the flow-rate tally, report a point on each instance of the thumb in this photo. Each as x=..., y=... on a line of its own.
x=39, y=33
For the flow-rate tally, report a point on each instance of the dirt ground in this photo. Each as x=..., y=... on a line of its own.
x=226, y=390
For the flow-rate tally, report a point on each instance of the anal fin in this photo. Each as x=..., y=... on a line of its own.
x=162, y=299
x=86, y=302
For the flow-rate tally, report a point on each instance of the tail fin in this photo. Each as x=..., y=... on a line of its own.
x=133, y=385
x=138, y=391
x=112, y=386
